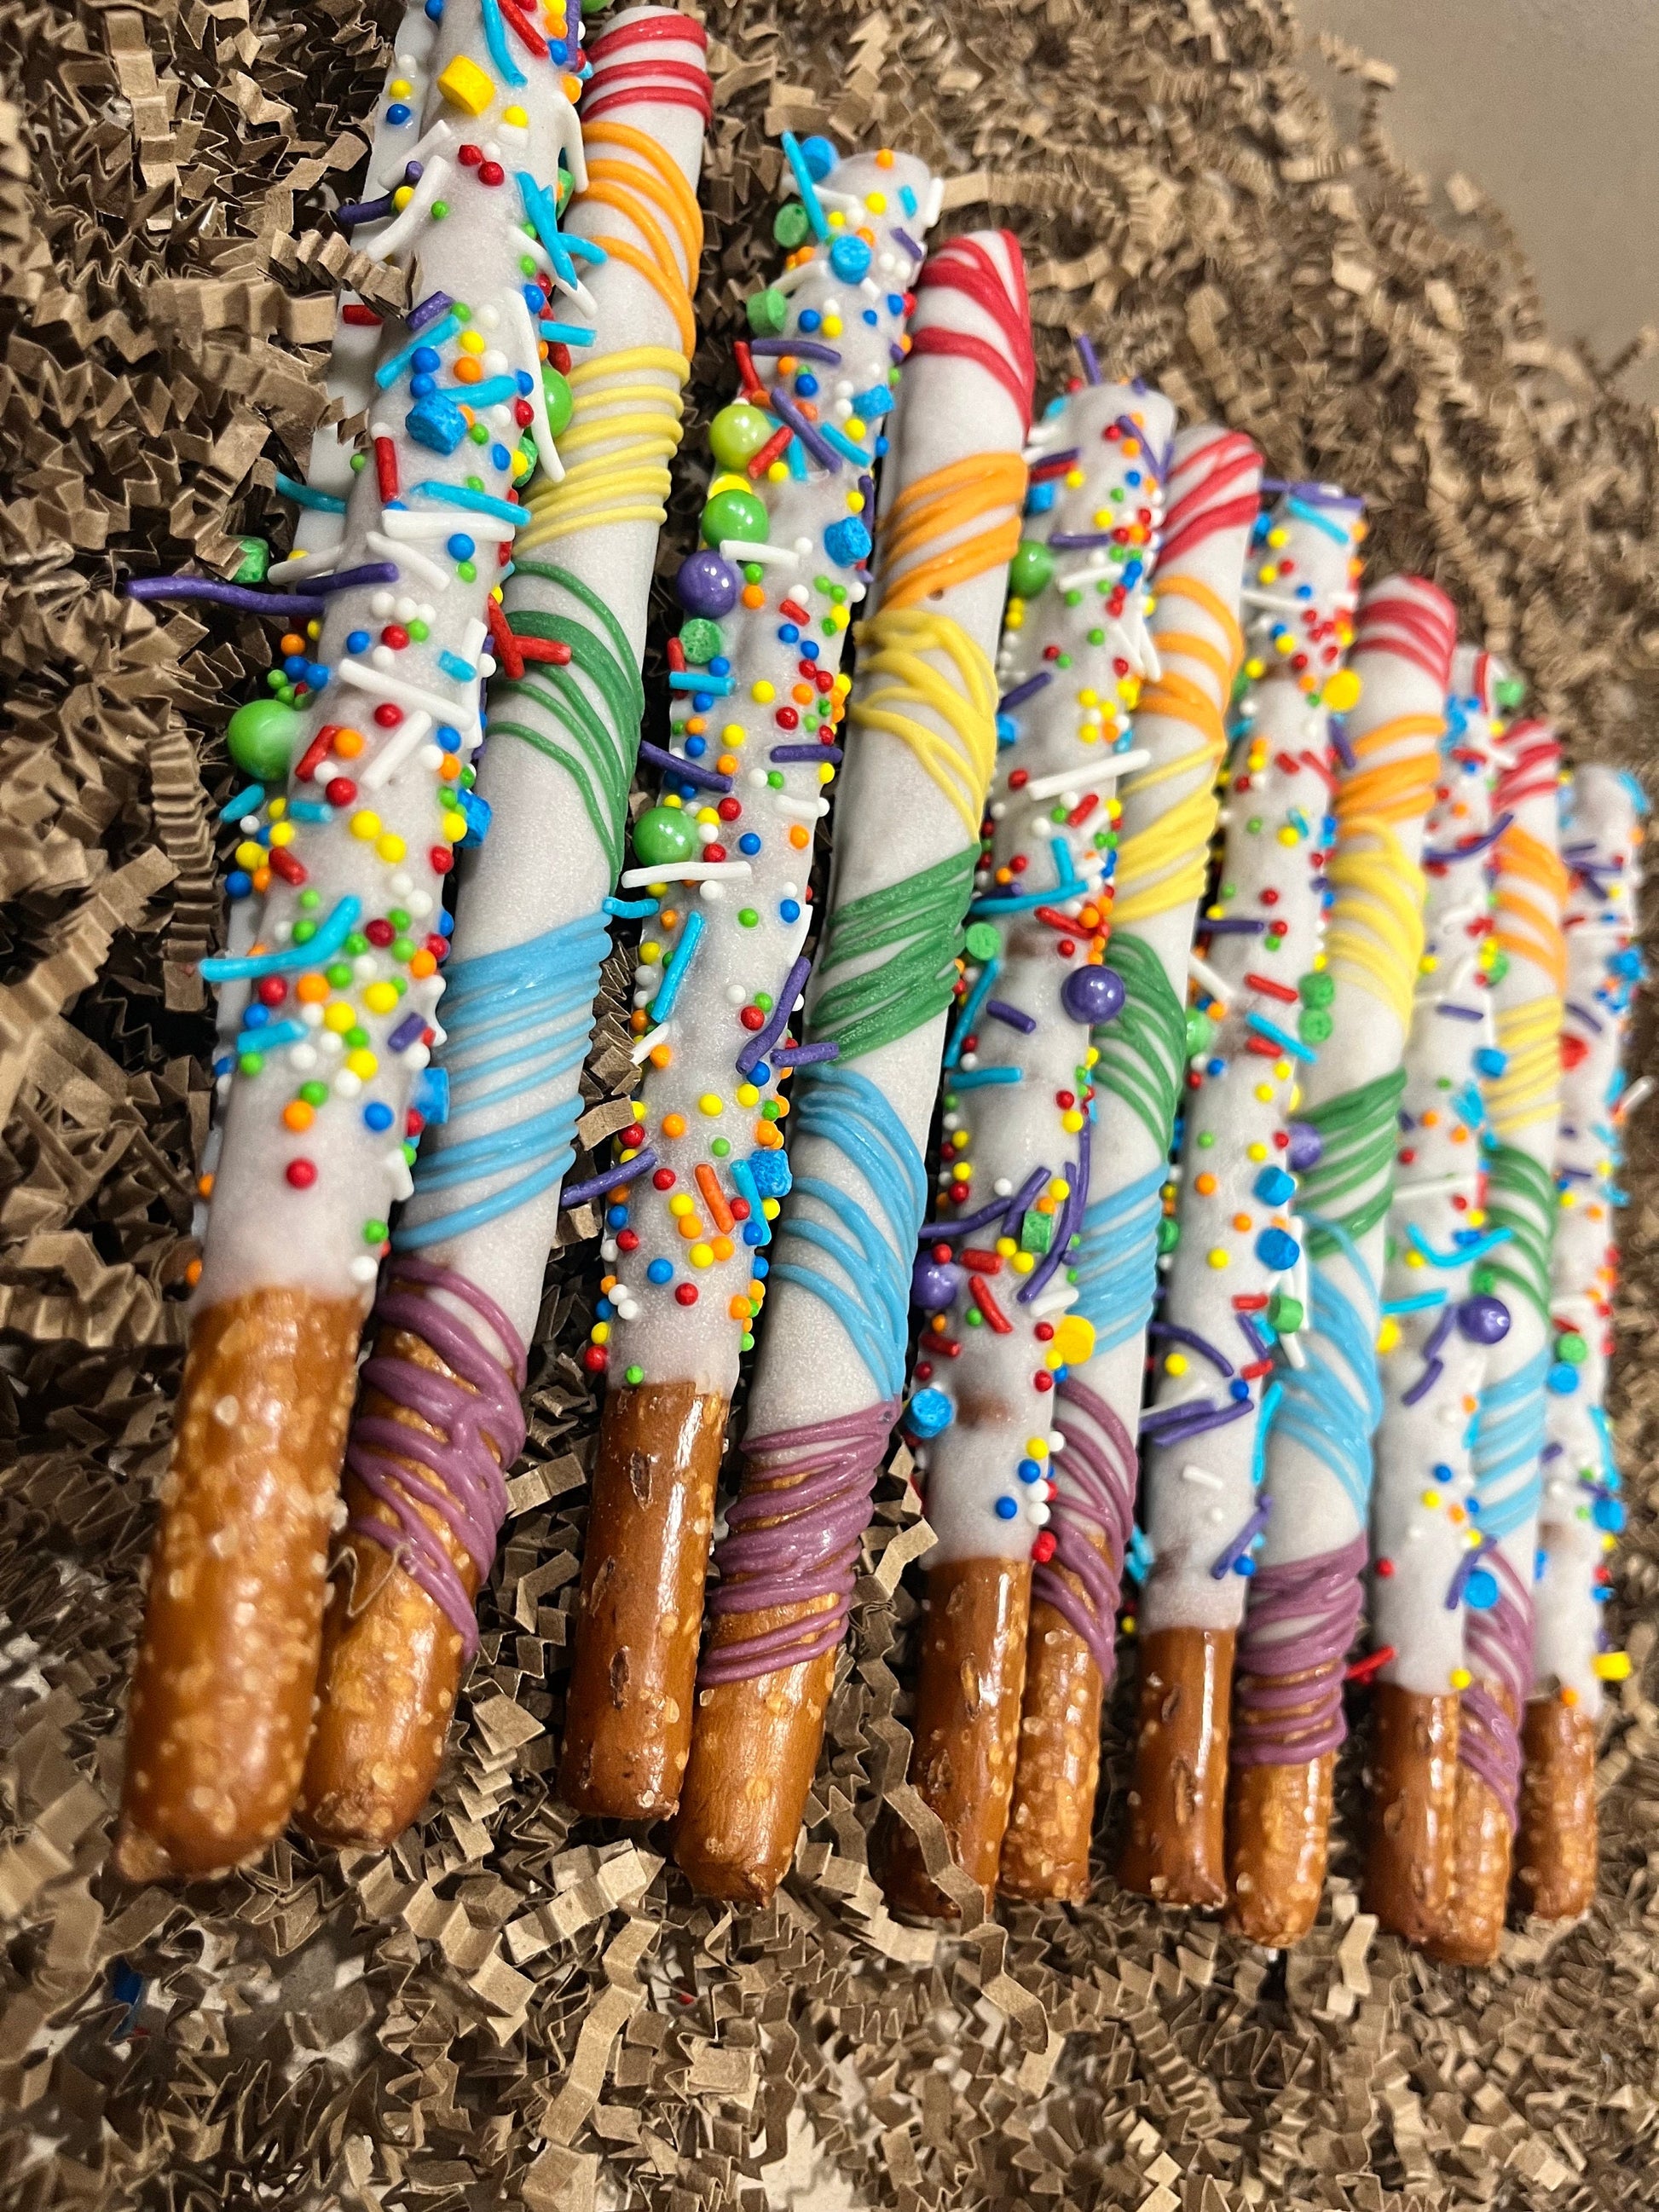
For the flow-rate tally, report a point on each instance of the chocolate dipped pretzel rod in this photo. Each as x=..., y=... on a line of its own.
x=1523, y=1107
x=1167, y=814
x=831, y=1372
x=1429, y=1570
x=1304, y=1601
x=1004, y=1117
x=459, y=1296
x=1581, y=1513
x=348, y=864
x=723, y=859
x=1231, y=1291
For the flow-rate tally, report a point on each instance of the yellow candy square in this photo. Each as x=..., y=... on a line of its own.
x=465, y=85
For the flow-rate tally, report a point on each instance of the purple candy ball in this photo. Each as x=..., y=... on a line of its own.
x=1092, y=994
x=1305, y=1148
x=934, y=1284
x=707, y=586
x=1484, y=1320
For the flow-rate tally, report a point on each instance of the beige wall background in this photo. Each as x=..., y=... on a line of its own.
x=1551, y=107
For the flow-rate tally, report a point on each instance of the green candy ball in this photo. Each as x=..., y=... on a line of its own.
x=1317, y=988
x=1033, y=570
x=262, y=738
x=560, y=404
x=1571, y=1347
x=663, y=834
x=767, y=313
x=1285, y=1313
x=1169, y=1233
x=700, y=640
x=255, y=563
x=735, y=514
x=1314, y=1025
x=791, y=225
x=983, y=940
x=1200, y=1029
x=737, y=434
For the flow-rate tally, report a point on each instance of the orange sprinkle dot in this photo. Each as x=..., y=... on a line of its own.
x=1205, y=1186
x=1241, y=1221
x=802, y=694
x=753, y=596
x=193, y=1274
x=422, y=964
x=884, y=158
x=262, y=880
x=800, y=836
x=739, y=1309
x=673, y=1124
x=204, y=1186
x=290, y=643
x=722, y=1247
x=467, y=370
x=662, y=1055
x=311, y=990
x=349, y=744
x=690, y=1227
x=448, y=768
x=296, y=1114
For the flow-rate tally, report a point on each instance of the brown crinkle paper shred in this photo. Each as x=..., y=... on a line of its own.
x=505, y=2010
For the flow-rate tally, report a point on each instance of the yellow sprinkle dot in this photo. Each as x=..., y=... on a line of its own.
x=365, y=825
x=250, y=855
x=1176, y=1363
x=764, y=692
x=1613, y=1666
x=340, y=1017
x=1388, y=1335
x=454, y=828
x=363, y=1064
x=1264, y=1091
x=702, y=1255
x=390, y=846
x=1257, y=1151
x=283, y=833
x=1432, y=1498
x=1023, y=1262
x=1461, y=1678
x=747, y=1095
x=600, y=1332
x=711, y=1103
x=1216, y=1257
x=516, y=117
x=380, y=997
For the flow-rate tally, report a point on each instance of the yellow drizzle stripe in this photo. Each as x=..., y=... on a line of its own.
x=1375, y=935
x=1532, y=891
x=939, y=506
x=1164, y=864
x=624, y=431
x=898, y=650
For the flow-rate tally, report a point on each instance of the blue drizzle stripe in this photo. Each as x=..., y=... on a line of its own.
x=1510, y=1433
x=1116, y=1267
x=517, y=1019
x=1327, y=1418
x=847, y=1111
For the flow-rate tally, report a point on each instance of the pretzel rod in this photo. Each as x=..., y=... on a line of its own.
x=1428, y=1568
x=470, y=1249
x=722, y=863
x=1581, y=1514
x=1168, y=808
x=1231, y=1291
x=379, y=717
x=1304, y=1601
x=828, y=1383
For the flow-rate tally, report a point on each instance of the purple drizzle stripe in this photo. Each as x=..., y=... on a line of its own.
x=1096, y=1475
x=1288, y=1695
x=225, y=595
x=1022, y=692
x=794, y=1533
x=804, y=752
x=1498, y=1644
x=802, y=348
x=778, y=1020
x=471, y=1408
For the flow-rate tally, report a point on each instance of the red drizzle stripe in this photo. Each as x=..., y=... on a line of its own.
x=1197, y=509
x=1414, y=620
x=967, y=265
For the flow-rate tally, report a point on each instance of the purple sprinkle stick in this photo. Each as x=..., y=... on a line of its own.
x=1194, y=1417
x=786, y=411
x=220, y=595
x=805, y=1055
x=1339, y=745
x=428, y=310
x=1070, y=1221
x=1086, y=354
x=804, y=753
x=407, y=1031
x=1441, y=1329
x=349, y=580
x=778, y=1020
x=802, y=348
x=1022, y=692
x=357, y=211
x=1287, y=1694
x=1078, y=541
x=707, y=778
x=1233, y=926
x=793, y=1536
x=1498, y=1645
x=933, y=1233
x=1000, y=1010
x=1012, y=1208
x=481, y=1430
x=578, y=1193
x=1466, y=1566
x=1172, y=1332
x=908, y=243
x=1432, y=1371
x=1588, y=1019
x=1260, y=1348
x=1090, y=1520
x=1242, y=1542
x=1458, y=1013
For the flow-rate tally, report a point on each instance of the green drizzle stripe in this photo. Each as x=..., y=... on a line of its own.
x=1520, y=1198
x=1353, y=1183
x=918, y=923
x=1143, y=1050
x=599, y=758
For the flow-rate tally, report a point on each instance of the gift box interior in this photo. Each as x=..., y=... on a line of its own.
x=509, y=2006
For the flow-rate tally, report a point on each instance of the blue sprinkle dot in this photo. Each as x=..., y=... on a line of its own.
x=1238, y=1390
x=615, y=1217
x=1029, y=1470
x=294, y=667
x=499, y=454
x=397, y=113
x=1480, y=1591
x=1007, y=1509
x=872, y=317
x=1245, y=1567
x=810, y=318
x=377, y=1116
x=524, y=381
x=688, y=791
x=434, y=11
x=449, y=737
x=788, y=635
x=359, y=642
x=423, y=384
x=695, y=748
x=316, y=675
x=446, y=923
x=603, y=1309
x=425, y=359
x=896, y=303
x=720, y=666
x=1562, y=1379
x=460, y=547
x=238, y=883
x=761, y=1269
x=749, y=842
x=789, y=909
x=752, y=1232
x=881, y=447
x=809, y=650
x=661, y=1271
x=256, y=1016
x=807, y=384
x=702, y=701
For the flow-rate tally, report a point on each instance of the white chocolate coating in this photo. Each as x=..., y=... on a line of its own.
x=689, y=1321
x=1578, y=1518
x=986, y=1485
x=1235, y=1187
x=297, y=1202
x=509, y=893
x=894, y=820
x=1421, y=1527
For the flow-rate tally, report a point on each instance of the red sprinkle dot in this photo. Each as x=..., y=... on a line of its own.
x=595, y=1359
x=685, y=1294
x=664, y=1179
x=729, y=809
x=470, y=156
x=522, y=413
x=388, y=716
x=1385, y=1568
x=395, y=636
x=339, y=791
x=1042, y=1548
x=491, y=173
x=440, y=858
x=301, y=1174
x=1043, y=1381
x=627, y=1240
x=1043, y=1332
x=379, y=933
x=272, y=990
x=752, y=1018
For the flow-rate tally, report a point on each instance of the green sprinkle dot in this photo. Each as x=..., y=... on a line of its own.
x=635, y=1375
x=975, y=1318
x=475, y=484
x=746, y=1342
x=769, y=1110
x=314, y=1094
x=397, y=916
x=1205, y=1139
x=747, y=916
x=359, y=461
x=419, y=631
x=720, y=1147
x=467, y=571
x=357, y=1037
x=304, y=932
x=983, y=940
x=403, y=948
x=774, y=778
x=479, y=434
x=309, y=900
x=355, y=945
x=440, y=209
x=526, y=265
x=1096, y=637
x=375, y=1232
x=765, y=1001
x=251, y=1063
x=338, y=974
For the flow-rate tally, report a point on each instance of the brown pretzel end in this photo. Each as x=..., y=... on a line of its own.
x=1176, y=1848
x=1279, y=1825
x=1413, y=1775
x=1555, y=1852
x=1045, y=1852
x=754, y=1749
x=627, y=1724
x=1472, y=1929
